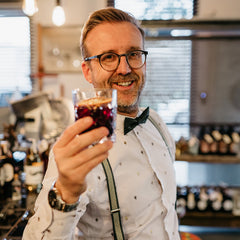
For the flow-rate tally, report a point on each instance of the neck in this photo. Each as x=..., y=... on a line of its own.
x=128, y=111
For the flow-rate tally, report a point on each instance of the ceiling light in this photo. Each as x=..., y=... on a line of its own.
x=30, y=7
x=58, y=16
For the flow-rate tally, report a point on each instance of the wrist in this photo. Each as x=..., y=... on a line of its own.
x=67, y=196
x=56, y=202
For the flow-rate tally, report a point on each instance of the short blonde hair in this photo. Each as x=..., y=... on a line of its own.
x=106, y=15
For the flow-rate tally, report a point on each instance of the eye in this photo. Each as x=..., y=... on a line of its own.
x=135, y=55
x=108, y=57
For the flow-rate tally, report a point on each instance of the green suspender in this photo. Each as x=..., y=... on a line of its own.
x=112, y=193
x=163, y=137
x=113, y=200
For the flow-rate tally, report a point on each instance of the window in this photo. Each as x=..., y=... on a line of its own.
x=168, y=79
x=156, y=10
x=15, y=58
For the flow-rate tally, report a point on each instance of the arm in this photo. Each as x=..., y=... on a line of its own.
x=74, y=159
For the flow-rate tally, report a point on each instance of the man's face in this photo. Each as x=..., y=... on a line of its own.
x=119, y=38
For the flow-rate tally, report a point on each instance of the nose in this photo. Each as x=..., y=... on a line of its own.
x=123, y=67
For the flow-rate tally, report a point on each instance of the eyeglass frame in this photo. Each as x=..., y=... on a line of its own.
x=119, y=58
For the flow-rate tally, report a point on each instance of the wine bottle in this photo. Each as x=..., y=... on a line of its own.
x=33, y=168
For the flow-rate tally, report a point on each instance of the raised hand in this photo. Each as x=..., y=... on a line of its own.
x=75, y=157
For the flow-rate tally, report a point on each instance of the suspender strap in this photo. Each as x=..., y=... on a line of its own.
x=113, y=200
x=161, y=133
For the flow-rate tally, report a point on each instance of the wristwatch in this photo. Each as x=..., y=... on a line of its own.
x=56, y=202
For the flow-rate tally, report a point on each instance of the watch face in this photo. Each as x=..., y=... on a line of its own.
x=57, y=203
x=52, y=198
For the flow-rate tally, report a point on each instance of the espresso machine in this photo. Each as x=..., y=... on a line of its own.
x=41, y=116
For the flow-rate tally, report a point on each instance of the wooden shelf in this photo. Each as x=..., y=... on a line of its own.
x=208, y=158
x=210, y=219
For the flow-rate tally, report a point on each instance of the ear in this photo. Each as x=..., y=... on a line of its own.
x=86, y=71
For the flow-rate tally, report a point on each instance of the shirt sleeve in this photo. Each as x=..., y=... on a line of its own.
x=48, y=223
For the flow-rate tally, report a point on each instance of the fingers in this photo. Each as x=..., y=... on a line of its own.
x=72, y=171
x=82, y=141
x=74, y=129
x=91, y=155
x=81, y=160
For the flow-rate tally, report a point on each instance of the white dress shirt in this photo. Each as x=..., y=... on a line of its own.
x=145, y=182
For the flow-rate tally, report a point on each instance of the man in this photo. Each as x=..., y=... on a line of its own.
x=113, y=50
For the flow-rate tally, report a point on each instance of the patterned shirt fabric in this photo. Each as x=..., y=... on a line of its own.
x=145, y=182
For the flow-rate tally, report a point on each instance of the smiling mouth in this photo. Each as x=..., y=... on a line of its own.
x=124, y=84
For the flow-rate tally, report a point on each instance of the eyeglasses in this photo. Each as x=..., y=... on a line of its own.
x=110, y=61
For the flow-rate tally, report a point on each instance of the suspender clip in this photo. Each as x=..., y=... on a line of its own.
x=115, y=210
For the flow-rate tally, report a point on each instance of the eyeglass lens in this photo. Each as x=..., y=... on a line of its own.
x=110, y=61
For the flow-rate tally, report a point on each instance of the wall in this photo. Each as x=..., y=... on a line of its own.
x=76, y=11
x=219, y=9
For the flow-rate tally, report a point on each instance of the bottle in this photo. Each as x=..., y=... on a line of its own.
x=216, y=199
x=181, y=201
x=224, y=142
x=203, y=141
x=33, y=168
x=214, y=143
x=227, y=200
x=16, y=188
x=193, y=145
x=217, y=136
x=203, y=200
x=191, y=201
x=234, y=145
x=209, y=139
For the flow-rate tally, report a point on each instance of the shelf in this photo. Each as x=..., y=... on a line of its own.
x=210, y=219
x=208, y=158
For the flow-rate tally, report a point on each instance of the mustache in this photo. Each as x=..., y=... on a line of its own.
x=123, y=78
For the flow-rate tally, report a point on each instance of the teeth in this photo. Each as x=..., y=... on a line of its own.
x=124, y=83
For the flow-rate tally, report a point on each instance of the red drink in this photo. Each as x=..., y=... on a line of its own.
x=100, y=109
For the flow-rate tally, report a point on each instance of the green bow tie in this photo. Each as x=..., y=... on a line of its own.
x=131, y=123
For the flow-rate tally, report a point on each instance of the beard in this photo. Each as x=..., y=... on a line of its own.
x=128, y=102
